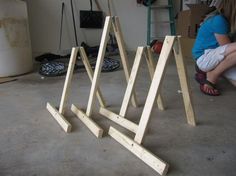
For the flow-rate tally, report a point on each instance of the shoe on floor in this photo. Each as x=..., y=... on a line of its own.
x=209, y=88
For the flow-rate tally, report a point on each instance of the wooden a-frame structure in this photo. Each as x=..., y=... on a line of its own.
x=157, y=74
x=134, y=145
x=58, y=114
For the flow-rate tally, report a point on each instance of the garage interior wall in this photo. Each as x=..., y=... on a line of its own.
x=44, y=21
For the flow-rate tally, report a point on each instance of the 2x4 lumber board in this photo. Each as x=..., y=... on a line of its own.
x=90, y=74
x=119, y=120
x=147, y=157
x=184, y=83
x=67, y=83
x=7, y=79
x=98, y=67
x=155, y=87
x=98, y=5
x=151, y=68
x=66, y=126
x=92, y=126
x=131, y=82
x=123, y=54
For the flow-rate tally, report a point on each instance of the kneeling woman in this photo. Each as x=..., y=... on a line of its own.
x=213, y=51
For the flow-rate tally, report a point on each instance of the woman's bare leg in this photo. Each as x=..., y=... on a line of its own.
x=230, y=48
x=213, y=75
x=227, y=63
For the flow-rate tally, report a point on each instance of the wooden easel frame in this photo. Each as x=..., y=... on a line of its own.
x=59, y=114
x=120, y=118
x=85, y=117
x=134, y=145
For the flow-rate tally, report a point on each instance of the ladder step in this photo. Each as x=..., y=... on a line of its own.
x=152, y=23
x=162, y=22
x=161, y=6
x=158, y=38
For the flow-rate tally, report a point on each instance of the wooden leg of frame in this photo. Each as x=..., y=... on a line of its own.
x=151, y=68
x=155, y=87
x=93, y=127
x=68, y=79
x=90, y=74
x=58, y=114
x=131, y=82
x=98, y=67
x=147, y=157
x=184, y=83
x=160, y=103
x=123, y=54
x=66, y=126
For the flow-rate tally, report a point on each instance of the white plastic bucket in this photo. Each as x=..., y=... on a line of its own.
x=15, y=44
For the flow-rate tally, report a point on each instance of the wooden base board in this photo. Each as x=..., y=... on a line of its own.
x=119, y=120
x=147, y=157
x=93, y=127
x=7, y=79
x=66, y=126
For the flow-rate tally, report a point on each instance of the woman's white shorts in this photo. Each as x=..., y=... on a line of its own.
x=211, y=58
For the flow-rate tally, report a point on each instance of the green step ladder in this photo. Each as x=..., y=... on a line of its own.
x=171, y=20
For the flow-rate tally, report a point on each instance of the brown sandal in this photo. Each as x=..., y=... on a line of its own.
x=209, y=88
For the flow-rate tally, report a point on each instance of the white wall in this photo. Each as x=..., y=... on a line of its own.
x=44, y=20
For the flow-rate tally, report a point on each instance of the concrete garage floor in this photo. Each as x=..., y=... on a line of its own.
x=33, y=144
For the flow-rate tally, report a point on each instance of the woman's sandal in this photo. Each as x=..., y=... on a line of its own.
x=209, y=88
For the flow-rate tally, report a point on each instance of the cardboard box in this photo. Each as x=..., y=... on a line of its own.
x=186, y=46
x=189, y=21
x=186, y=2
